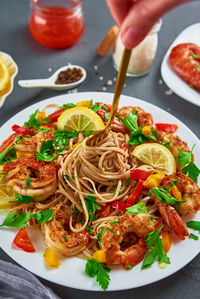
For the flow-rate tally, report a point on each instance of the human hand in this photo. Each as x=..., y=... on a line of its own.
x=137, y=17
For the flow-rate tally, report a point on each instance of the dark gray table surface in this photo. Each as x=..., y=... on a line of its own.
x=34, y=61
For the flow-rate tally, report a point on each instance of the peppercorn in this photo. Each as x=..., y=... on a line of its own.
x=70, y=75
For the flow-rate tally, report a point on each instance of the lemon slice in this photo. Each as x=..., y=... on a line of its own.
x=84, y=103
x=5, y=195
x=4, y=75
x=79, y=119
x=156, y=155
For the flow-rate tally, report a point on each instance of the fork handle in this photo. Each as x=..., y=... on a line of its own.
x=121, y=76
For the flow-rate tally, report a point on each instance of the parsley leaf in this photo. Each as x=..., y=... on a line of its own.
x=87, y=133
x=28, y=182
x=157, y=251
x=95, y=108
x=68, y=105
x=130, y=121
x=127, y=182
x=184, y=158
x=163, y=196
x=138, y=208
x=192, y=171
x=94, y=269
x=137, y=137
x=106, y=116
x=16, y=220
x=167, y=144
x=92, y=206
x=45, y=153
x=99, y=235
x=194, y=237
x=195, y=225
x=23, y=198
x=153, y=237
x=43, y=130
x=12, y=154
x=33, y=121
x=44, y=216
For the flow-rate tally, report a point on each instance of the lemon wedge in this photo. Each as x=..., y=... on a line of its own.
x=156, y=155
x=84, y=103
x=5, y=195
x=4, y=75
x=79, y=119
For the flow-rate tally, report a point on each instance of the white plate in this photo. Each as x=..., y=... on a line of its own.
x=71, y=272
x=190, y=35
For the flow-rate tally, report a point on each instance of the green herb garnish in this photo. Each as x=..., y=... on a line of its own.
x=138, y=208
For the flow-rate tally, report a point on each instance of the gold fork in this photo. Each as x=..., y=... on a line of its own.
x=121, y=76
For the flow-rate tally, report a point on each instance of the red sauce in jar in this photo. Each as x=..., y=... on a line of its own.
x=56, y=26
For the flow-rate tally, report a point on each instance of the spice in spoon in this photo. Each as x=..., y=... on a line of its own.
x=70, y=75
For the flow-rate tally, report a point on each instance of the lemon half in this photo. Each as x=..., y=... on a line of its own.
x=5, y=195
x=156, y=155
x=79, y=119
x=4, y=75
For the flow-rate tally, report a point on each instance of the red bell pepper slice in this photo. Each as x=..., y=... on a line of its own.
x=107, y=106
x=124, y=147
x=22, y=241
x=105, y=210
x=21, y=130
x=168, y=128
x=135, y=193
x=138, y=174
x=121, y=206
x=54, y=116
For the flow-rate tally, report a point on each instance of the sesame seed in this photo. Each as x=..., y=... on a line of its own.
x=101, y=78
x=96, y=67
x=160, y=81
x=169, y=92
x=110, y=82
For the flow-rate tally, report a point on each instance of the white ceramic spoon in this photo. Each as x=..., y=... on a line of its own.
x=50, y=82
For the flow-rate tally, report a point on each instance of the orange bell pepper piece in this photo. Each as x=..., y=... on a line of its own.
x=166, y=241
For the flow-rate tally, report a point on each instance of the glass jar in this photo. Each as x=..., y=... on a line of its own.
x=142, y=56
x=56, y=23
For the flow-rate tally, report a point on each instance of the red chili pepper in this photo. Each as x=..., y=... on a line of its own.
x=54, y=116
x=135, y=193
x=22, y=241
x=21, y=130
x=121, y=206
x=138, y=174
x=58, y=168
x=105, y=210
x=169, y=128
x=107, y=106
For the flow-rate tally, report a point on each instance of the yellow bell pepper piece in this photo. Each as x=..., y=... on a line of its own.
x=99, y=256
x=154, y=180
x=166, y=241
x=84, y=103
x=146, y=130
x=41, y=115
x=51, y=258
x=20, y=154
x=176, y=193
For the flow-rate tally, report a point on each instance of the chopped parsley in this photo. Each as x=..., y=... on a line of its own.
x=95, y=269
x=130, y=121
x=137, y=137
x=68, y=105
x=23, y=198
x=193, y=236
x=65, y=238
x=157, y=252
x=195, y=225
x=12, y=155
x=167, y=144
x=20, y=220
x=127, y=182
x=138, y=208
x=190, y=169
x=163, y=196
x=28, y=182
x=130, y=267
x=106, y=116
x=66, y=177
x=33, y=121
x=99, y=235
x=92, y=206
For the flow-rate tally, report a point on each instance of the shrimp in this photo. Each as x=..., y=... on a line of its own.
x=144, y=118
x=189, y=190
x=42, y=175
x=8, y=142
x=173, y=220
x=117, y=126
x=130, y=231
x=33, y=143
x=57, y=236
x=176, y=144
